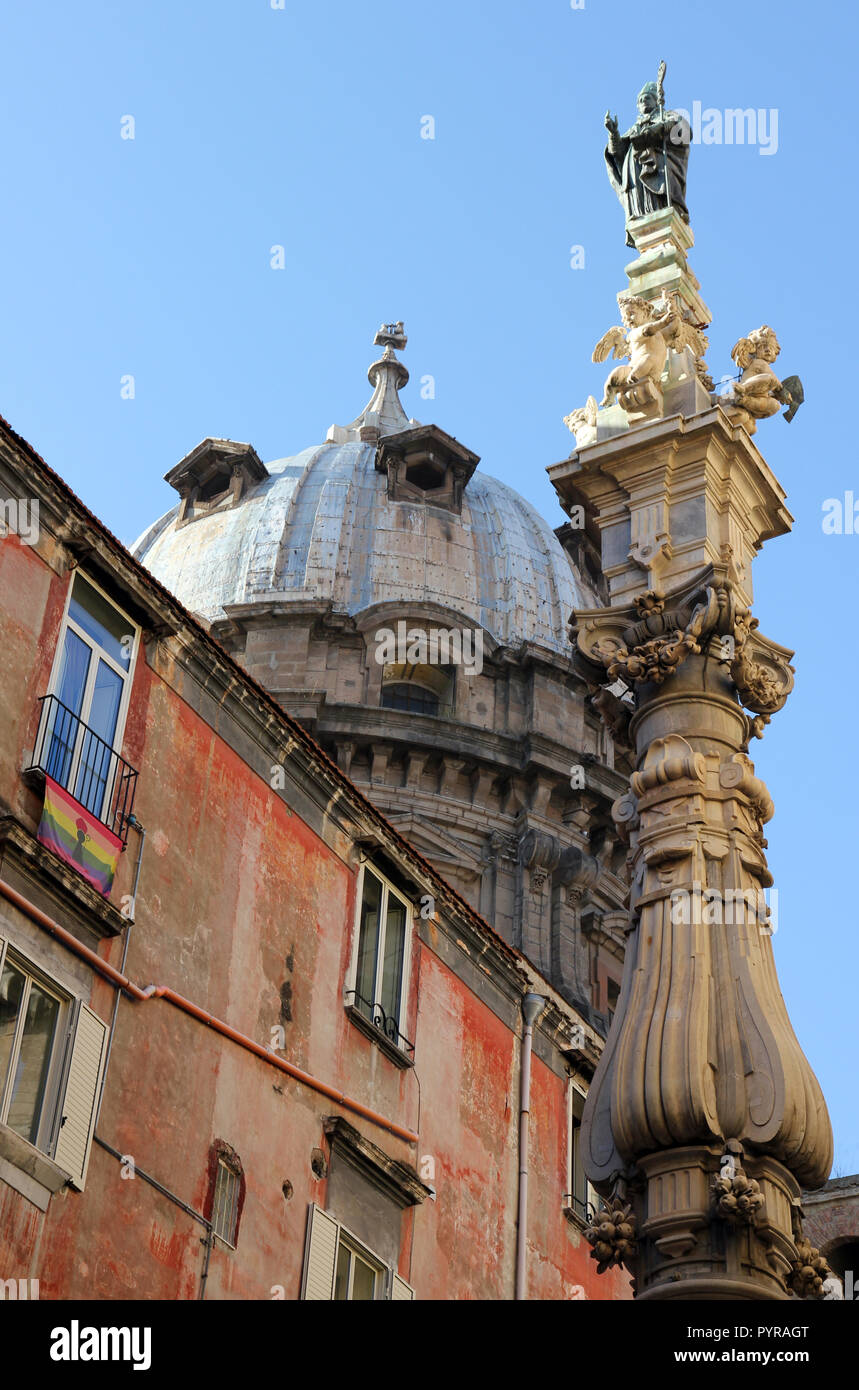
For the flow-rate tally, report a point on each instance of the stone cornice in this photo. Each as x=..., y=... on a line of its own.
x=508, y=754
x=398, y=1181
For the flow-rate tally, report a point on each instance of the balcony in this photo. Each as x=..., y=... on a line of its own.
x=84, y=765
x=374, y=1023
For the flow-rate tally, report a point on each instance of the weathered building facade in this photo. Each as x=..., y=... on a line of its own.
x=278, y=1056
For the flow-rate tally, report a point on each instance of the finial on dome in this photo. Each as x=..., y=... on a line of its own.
x=391, y=335
x=384, y=413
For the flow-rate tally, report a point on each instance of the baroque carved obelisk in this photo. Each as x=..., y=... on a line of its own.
x=704, y=1118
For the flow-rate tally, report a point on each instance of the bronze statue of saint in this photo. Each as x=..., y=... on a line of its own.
x=647, y=165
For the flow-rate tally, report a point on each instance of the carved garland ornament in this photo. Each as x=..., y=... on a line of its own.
x=808, y=1271
x=612, y=1235
x=737, y=1198
x=649, y=650
x=652, y=649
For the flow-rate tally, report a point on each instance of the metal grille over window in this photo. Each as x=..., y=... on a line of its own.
x=226, y=1204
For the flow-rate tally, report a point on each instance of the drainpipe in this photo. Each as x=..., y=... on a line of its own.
x=532, y=1006
x=133, y=821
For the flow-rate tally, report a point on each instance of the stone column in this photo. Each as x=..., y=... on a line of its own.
x=704, y=1117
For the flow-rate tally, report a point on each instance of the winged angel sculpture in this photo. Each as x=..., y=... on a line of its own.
x=649, y=330
x=759, y=393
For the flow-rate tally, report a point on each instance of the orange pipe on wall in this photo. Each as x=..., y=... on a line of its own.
x=164, y=992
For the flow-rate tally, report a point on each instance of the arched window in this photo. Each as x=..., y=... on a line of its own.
x=406, y=695
x=417, y=689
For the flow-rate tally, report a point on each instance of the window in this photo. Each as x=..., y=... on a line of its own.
x=51, y=1058
x=226, y=1203
x=226, y=1192
x=83, y=716
x=424, y=686
x=356, y=1276
x=412, y=698
x=378, y=975
x=582, y=1200
x=338, y=1268
x=214, y=477
x=612, y=996
x=29, y=1018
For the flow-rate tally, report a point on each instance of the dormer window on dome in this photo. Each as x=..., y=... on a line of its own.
x=426, y=465
x=422, y=463
x=214, y=477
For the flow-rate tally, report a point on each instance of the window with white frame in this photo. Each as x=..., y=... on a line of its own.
x=378, y=976
x=338, y=1268
x=357, y=1276
x=51, y=1058
x=88, y=696
x=31, y=1018
x=581, y=1199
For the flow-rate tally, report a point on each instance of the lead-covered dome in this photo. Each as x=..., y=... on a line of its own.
x=320, y=526
x=385, y=511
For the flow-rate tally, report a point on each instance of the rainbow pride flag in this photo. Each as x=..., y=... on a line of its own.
x=74, y=835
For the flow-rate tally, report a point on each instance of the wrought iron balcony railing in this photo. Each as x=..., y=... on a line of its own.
x=81, y=762
x=585, y=1210
x=384, y=1022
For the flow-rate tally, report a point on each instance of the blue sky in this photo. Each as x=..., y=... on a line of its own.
x=301, y=127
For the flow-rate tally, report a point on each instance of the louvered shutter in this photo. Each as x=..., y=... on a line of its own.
x=320, y=1256
x=80, y=1094
x=400, y=1290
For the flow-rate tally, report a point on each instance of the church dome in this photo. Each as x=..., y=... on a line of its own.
x=327, y=526
x=320, y=526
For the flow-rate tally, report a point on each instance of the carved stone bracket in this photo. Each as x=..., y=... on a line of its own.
x=540, y=853
x=578, y=872
x=668, y=760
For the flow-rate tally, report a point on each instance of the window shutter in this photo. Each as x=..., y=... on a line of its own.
x=80, y=1095
x=2, y=950
x=400, y=1290
x=320, y=1256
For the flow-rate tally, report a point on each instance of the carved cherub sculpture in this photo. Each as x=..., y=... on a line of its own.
x=649, y=329
x=759, y=393
x=582, y=422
